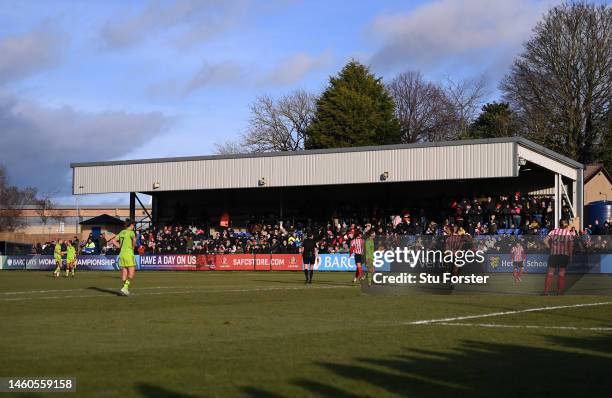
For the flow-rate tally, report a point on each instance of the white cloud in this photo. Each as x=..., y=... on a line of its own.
x=29, y=53
x=227, y=73
x=38, y=143
x=296, y=67
x=232, y=74
x=464, y=32
x=189, y=22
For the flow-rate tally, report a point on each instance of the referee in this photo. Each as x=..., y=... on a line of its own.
x=309, y=255
x=560, y=242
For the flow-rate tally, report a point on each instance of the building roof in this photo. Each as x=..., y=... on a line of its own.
x=437, y=161
x=103, y=219
x=522, y=141
x=591, y=171
x=81, y=206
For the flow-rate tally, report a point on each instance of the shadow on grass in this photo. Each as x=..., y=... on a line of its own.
x=104, y=290
x=259, y=393
x=473, y=368
x=153, y=391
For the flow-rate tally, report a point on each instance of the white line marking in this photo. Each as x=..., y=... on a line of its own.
x=109, y=288
x=494, y=325
x=41, y=291
x=461, y=318
x=204, y=290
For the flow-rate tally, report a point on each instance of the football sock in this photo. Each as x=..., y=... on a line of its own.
x=306, y=273
x=310, y=272
x=560, y=283
x=548, y=282
x=126, y=284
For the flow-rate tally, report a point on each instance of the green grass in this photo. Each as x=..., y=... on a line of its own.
x=219, y=334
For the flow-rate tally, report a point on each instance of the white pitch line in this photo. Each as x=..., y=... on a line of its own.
x=82, y=289
x=108, y=288
x=462, y=318
x=204, y=290
x=495, y=325
x=42, y=291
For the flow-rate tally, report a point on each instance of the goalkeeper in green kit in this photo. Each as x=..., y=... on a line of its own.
x=127, y=261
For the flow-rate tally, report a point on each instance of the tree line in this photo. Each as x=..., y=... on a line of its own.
x=557, y=93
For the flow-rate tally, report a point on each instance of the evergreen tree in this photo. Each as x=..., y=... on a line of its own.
x=354, y=110
x=495, y=120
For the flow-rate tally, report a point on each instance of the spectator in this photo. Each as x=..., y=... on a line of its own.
x=101, y=243
x=90, y=247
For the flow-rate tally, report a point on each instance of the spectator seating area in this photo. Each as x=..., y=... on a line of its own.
x=512, y=214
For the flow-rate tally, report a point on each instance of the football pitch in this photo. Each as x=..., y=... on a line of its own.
x=267, y=334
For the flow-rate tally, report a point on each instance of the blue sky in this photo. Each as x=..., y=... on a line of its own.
x=87, y=80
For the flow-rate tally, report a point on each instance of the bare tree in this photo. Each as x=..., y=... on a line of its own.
x=466, y=97
x=275, y=125
x=229, y=148
x=561, y=85
x=59, y=216
x=42, y=206
x=422, y=108
x=12, y=202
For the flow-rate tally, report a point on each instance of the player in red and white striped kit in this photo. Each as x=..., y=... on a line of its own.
x=518, y=256
x=560, y=242
x=357, y=248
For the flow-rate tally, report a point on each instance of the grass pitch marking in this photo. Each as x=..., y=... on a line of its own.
x=496, y=325
x=85, y=288
x=194, y=290
x=492, y=314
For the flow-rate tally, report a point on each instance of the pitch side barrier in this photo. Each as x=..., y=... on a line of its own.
x=489, y=264
x=189, y=262
x=487, y=254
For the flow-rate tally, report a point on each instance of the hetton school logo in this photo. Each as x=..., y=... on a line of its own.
x=494, y=261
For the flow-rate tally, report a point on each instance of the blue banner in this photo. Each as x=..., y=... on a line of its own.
x=337, y=262
x=606, y=264
x=47, y=263
x=538, y=264
x=168, y=262
x=100, y=263
x=14, y=262
x=41, y=262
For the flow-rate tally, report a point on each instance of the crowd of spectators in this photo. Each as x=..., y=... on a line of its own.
x=90, y=245
x=506, y=215
x=511, y=215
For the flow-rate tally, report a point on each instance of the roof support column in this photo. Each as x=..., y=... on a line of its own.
x=154, y=209
x=133, y=206
x=557, y=204
x=579, y=198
